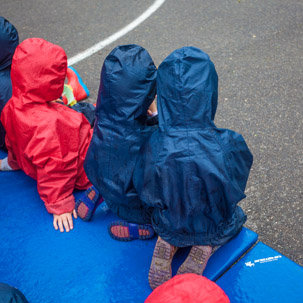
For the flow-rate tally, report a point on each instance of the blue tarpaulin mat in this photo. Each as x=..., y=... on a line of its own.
x=84, y=265
x=263, y=275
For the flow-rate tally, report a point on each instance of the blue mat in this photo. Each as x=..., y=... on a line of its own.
x=224, y=257
x=85, y=265
x=263, y=275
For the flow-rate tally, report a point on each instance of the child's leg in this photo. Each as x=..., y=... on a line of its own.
x=160, y=269
x=124, y=231
x=196, y=260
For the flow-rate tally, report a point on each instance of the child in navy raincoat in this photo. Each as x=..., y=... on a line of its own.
x=45, y=139
x=127, y=89
x=9, y=40
x=191, y=173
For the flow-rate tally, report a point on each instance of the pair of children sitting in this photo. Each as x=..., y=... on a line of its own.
x=184, y=177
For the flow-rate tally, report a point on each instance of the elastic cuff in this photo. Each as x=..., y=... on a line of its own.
x=60, y=207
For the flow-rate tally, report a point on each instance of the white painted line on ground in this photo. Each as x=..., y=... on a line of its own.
x=95, y=48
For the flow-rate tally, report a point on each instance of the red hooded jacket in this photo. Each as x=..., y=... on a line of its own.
x=47, y=140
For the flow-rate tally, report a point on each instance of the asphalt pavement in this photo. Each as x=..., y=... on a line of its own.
x=257, y=48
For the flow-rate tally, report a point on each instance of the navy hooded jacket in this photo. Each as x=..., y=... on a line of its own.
x=9, y=40
x=192, y=173
x=127, y=88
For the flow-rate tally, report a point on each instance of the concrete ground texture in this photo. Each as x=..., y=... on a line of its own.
x=257, y=48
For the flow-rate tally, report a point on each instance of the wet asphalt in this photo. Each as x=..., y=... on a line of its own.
x=257, y=48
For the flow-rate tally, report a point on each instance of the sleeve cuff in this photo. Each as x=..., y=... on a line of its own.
x=60, y=207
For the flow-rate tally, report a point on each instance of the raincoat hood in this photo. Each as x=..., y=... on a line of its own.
x=128, y=84
x=9, y=40
x=38, y=78
x=187, y=90
x=127, y=88
x=190, y=172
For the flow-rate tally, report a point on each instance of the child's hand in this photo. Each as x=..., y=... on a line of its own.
x=64, y=221
x=152, y=108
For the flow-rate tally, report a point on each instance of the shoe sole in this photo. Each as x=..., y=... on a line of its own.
x=95, y=202
x=160, y=269
x=131, y=227
x=196, y=260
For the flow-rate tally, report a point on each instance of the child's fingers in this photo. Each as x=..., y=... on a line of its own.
x=55, y=223
x=65, y=223
x=70, y=221
x=75, y=214
x=60, y=225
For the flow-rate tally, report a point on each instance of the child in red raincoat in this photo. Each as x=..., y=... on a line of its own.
x=45, y=139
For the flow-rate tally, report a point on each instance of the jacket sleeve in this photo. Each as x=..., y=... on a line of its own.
x=238, y=156
x=55, y=182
